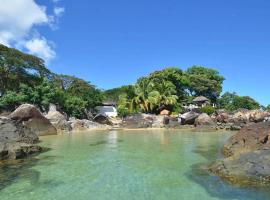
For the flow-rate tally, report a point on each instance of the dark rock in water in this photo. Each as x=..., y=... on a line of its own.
x=189, y=118
x=246, y=169
x=250, y=138
x=247, y=156
x=16, y=141
x=31, y=117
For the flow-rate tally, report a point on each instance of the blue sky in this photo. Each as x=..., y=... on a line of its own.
x=112, y=43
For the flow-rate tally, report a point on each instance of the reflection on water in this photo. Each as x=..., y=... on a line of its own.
x=115, y=165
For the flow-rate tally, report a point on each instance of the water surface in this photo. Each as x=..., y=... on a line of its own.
x=116, y=165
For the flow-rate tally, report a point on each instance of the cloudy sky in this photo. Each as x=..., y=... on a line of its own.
x=112, y=43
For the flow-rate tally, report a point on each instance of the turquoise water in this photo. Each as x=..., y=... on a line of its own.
x=116, y=165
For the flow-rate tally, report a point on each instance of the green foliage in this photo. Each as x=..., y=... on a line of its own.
x=80, y=88
x=204, y=82
x=268, y=108
x=208, y=110
x=75, y=106
x=232, y=102
x=115, y=93
x=12, y=99
x=18, y=68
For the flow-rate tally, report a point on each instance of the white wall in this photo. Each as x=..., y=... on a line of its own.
x=109, y=111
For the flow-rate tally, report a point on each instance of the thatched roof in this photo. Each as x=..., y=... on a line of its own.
x=200, y=99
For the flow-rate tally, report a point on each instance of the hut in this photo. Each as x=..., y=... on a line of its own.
x=107, y=109
x=201, y=101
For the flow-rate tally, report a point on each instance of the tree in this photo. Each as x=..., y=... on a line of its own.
x=17, y=68
x=80, y=88
x=115, y=93
x=268, y=108
x=232, y=102
x=203, y=81
x=174, y=76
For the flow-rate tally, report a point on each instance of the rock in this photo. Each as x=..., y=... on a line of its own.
x=160, y=121
x=84, y=125
x=31, y=117
x=138, y=121
x=204, y=120
x=247, y=169
x=247, y=156
x=250, y=138
x=257, y=116
x=222, y=116
x=16, y=141
x=189, y=118
x=59, y=121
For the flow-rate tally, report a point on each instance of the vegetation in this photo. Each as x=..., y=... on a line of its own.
x=232, y=102
x=208, y=110
x=25, y=79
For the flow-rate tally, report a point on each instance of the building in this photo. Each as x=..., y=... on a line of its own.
x=201, y=101
x=107, y=109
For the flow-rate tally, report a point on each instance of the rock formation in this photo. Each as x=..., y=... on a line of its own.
x=31, y=118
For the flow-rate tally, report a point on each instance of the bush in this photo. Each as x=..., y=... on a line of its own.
x=208, y=110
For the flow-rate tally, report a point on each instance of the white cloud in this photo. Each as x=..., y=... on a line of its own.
x=58, y=11
x=18, y=19
x=40, y=47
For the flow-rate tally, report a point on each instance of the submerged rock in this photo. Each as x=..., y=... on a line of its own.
x=31, y=117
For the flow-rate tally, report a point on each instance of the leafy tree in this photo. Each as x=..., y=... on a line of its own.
x=115, y=93
x=80, y=88
x=174, y=76
x=17, y=68
x=40, y=95
x=75, y=106
x=204, y=82
x=232, y=102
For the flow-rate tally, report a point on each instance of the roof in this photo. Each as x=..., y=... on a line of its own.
x=200, y=99
x=109, y=103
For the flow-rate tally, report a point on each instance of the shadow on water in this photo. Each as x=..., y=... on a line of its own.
x=218, y=188
x=13, y=171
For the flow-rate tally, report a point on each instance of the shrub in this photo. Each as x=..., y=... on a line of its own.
x=208, y=110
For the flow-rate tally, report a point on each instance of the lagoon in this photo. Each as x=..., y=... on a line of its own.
x=124, y=164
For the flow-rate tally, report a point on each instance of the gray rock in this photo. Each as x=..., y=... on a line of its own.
x=16, y=141
x=59, y=121
x=189, y=118
x=31, y=117
x=204, y=120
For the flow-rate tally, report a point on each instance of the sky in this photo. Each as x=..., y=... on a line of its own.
x=112, y=43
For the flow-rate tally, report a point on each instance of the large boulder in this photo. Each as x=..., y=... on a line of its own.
x=58, y=120
x=250, y=138
x=189, y=118
x=258, y=116
x=16, y=141
x=247, y=156
x=204, y=120
x=31, y=118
